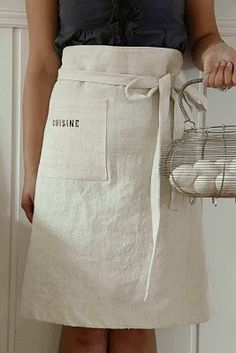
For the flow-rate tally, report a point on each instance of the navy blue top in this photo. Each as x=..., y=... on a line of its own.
x=159, y=23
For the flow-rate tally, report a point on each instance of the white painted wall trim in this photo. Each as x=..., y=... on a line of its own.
x=227, y=27
x=9, y=18
x=17, y=18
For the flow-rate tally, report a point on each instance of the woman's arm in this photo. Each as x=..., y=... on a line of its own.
x=41, y=74
x=208, y=49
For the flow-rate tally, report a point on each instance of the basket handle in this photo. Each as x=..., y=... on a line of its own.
x=185, y=85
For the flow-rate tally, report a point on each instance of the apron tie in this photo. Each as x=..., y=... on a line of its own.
x=166, y=90
x=168, y=86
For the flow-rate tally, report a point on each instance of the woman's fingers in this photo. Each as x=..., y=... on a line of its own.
x=234, y=71
x=212, y=76
x=228, y=74
x=221, y=75
x=206, y=78
x=28, y=206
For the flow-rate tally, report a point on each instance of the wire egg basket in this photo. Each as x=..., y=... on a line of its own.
x=202, y=163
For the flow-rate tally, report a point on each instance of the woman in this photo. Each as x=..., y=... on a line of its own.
x=105, y=257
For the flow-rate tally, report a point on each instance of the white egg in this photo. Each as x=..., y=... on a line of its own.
x=183, y=176
x=205, y=184
x=229, y=183
x=190, y=189
x=220, y=163
x=232, y=166
x=181, y=188
x=206, y=167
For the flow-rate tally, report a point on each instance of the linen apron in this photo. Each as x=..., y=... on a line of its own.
x=111, y=245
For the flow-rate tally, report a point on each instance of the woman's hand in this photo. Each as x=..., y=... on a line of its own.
x=27, y=199
x=219, y=62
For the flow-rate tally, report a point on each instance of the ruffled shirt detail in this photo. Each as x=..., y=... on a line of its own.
x=124, y=26
x=124, y=18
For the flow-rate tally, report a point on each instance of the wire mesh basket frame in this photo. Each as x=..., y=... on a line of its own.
x=204, y=131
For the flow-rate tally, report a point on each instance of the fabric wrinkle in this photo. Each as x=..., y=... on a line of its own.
x=131, y=22
x=114, y=23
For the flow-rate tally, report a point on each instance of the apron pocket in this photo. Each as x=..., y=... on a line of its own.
x=74, y=142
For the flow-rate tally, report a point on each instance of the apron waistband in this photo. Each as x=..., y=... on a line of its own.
x=168, y=85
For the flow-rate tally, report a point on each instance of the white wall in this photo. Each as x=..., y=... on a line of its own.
x=12, y=4
x=219, y=335
x=225, y=9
